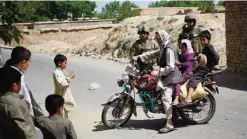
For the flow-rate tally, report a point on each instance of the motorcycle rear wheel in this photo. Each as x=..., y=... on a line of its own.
x=188, y=119
x=116, y=113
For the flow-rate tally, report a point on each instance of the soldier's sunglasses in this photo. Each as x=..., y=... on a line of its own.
x=188, y=20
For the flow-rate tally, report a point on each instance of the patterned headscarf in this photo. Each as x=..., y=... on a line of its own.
x=189, y=46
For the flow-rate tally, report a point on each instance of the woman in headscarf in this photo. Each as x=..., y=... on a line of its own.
x=168, y=72
x=185, y=65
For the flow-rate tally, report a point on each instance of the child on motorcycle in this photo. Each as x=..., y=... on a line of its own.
x=185, y=65
x=211, y=59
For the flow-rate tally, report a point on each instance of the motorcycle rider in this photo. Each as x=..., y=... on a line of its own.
x=168, y=72
x=190, y=32
x=143, y=44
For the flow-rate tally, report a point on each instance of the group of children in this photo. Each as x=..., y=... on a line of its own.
x=206, y=64
x=17, y=118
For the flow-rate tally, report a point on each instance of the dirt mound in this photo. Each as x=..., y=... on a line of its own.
x=112, y=40
x=53, y=46
x=126, y=34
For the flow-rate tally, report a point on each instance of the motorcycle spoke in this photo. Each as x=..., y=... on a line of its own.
x=205, y=110
x=110, y=114
x=199, y=115
x=193, y=115
x=114, y=120
x=116, y=115
x=124, y=113
x=206, y=107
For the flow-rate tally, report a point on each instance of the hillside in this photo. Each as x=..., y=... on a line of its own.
x=113, y=41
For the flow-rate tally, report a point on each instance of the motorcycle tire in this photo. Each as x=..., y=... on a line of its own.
x=104, y=112
x=205, y=120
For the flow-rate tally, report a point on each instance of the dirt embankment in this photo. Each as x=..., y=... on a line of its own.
x=108, y=40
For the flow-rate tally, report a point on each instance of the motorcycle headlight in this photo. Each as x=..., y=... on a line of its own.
x=124, y=79
x=120, y=83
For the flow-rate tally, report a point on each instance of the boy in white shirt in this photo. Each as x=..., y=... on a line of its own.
x=62, y=83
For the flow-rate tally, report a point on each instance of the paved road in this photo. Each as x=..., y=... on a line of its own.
x=229, y=122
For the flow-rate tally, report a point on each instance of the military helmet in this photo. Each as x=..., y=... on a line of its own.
x=144, y=29
x=190, y=16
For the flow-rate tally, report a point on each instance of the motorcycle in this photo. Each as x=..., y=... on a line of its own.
x=146, y=84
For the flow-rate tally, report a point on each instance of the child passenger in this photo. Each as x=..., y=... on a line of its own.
x=185, y=65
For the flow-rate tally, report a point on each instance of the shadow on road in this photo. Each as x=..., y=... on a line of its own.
x=137, y=104
x=148, y=124
x=232, y=81
x=99, y=127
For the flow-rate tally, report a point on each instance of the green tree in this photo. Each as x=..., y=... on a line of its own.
x=204, y=6
x=9, y=13
x=110, y=10
x=33, y=11
x=62, y=9
x=115, y=10
x=166, y=3
x=95, y=14
x=88, y=9
x=46, y=10
x=82, y=8
x=221, y=3
x=126, y=11
x=209, y=8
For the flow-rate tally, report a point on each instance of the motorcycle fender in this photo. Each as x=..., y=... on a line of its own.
x=113, y=97
x=213, y=92
x=133, y=105
x=217, y=90
x=119, y=95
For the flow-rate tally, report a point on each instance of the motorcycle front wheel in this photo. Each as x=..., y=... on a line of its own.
x=193, y=115
x=118, y=107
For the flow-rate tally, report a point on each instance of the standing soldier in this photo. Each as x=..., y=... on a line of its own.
x=190, y=32
x=144, y=44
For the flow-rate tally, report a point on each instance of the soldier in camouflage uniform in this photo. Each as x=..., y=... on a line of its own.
x=144, y=44
x=190, y=32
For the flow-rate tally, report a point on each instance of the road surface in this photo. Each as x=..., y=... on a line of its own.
x=229, y=121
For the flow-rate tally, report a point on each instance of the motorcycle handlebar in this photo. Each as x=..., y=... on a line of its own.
x=138, y=63
x=216, y=71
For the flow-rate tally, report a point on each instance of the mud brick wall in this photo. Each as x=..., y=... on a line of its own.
x=236, y=35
